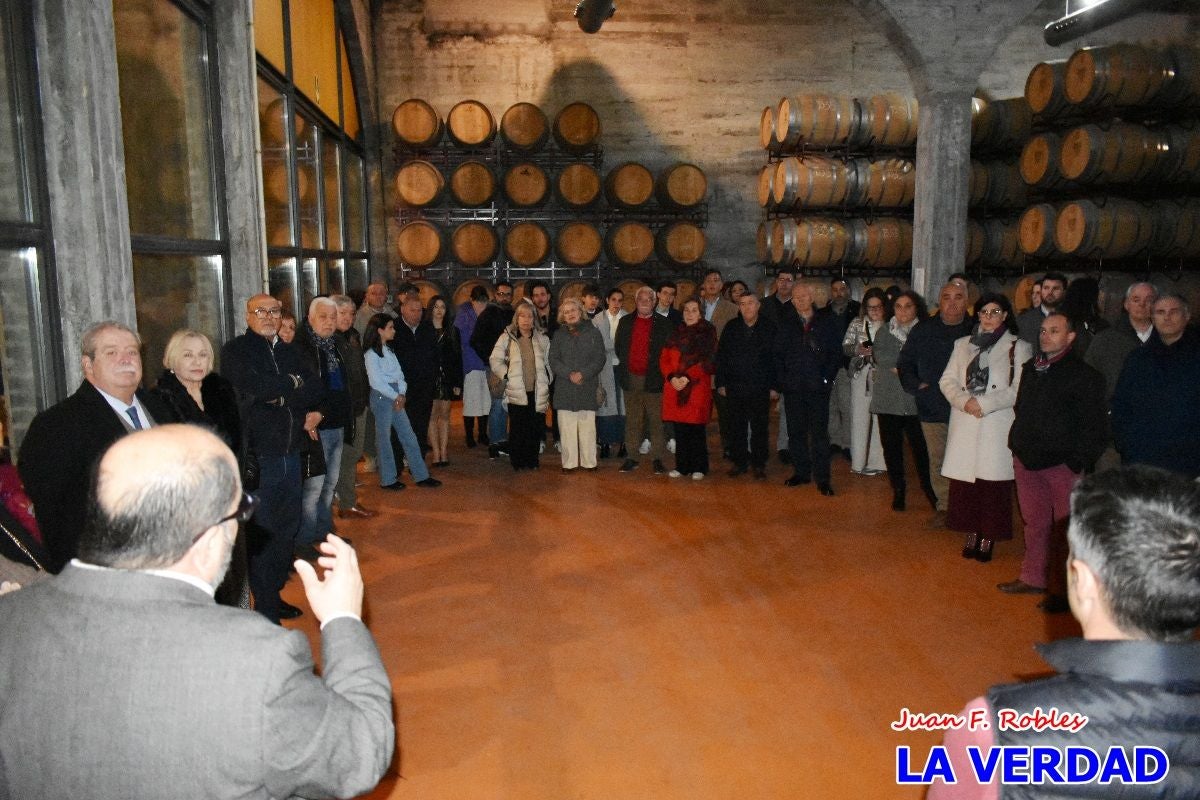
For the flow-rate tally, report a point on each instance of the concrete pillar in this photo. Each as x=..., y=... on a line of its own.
x=943, y=172
x=85, y=167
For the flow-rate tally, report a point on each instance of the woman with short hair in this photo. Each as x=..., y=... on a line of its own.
x=577, y=358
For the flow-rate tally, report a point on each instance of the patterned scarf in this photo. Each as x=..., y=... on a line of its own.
x=900, y=331
x=327, y=349
x=977, y=370
x=697, y=344
x=1043, y=362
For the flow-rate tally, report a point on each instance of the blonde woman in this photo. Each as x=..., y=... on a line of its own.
x=521, y=358
x=193, y=392
x=577, y=358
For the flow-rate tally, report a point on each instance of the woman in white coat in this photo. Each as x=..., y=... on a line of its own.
x=866, y=453
x=522, y=358
x=610, y=417
x=981, y=382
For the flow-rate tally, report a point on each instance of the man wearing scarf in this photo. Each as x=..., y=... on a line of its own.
x=1060, y=430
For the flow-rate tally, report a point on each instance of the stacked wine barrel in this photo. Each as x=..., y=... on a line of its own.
x=996, y=194
x=1114, y=171
x=480, y=197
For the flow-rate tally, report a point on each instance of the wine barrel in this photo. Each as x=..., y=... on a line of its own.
x=526, y=185
x=578, y=185
x=418, y=184
x=273, y=128
x=577, y=128
x=1036, y=230
x=470, y=125
x=578, y=244
x=463, y=293
x=889, y=120
x=474, y=244
x=1020, y=292
x=280, y=235
x=472, y=184
x=1177, y=232
x=883, y=243
x=276, y=188
x=524, y=127
x=882, y=183
x=419, y=244
x=1115, y=76
x=1000, y=126
x=1001, y=243
x=629, y=186
x=629, y=287
x=681, y=187
x=1183, y=86
x=427, y=290
x=1044, y=90
x=975, y=240
x=685, y=289
x=416, y=124
x=629, y=244
x=810, y=242
x=762, y=242
x=527, y=244
x=997, y=185
x=520, y=291
x=810, y=182
x=766, y=180
x=572, y=289
x=1040, y=166
x=1116, y=229
x=680, y=244
x=816, y=120
x=1117, y=153
x=766, y=131
x=1180, y=160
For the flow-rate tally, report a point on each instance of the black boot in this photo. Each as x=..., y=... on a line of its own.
x=972, y=546
x=983, y=552
x=483, y=430
x=622, y=453
x=898, y=498
x=469, y=425
x=605, y=451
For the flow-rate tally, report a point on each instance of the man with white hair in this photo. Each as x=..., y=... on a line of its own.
x=638, y=344
x=65, y=441
x=123, y=680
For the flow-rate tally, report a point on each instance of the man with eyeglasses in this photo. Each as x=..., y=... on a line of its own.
x=490, y=325
x=122, y=678
x=65, y=441
x=275, y=390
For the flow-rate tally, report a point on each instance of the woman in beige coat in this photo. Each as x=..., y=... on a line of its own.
x=981, y=382
x=521, y=358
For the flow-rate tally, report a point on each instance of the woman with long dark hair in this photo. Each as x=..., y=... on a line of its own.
x=521, y=358
x=981, y=382
x=448, y=383
x=687, y=362
x=866, y=452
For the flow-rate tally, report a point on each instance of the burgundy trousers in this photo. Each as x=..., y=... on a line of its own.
x=1044, y=496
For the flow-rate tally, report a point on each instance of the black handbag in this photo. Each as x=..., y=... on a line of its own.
x=312, y=459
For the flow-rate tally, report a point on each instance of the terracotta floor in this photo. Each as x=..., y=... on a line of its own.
x=609, y=636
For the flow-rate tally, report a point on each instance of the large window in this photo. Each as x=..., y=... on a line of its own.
x=173, y=169
x=29, y=341
x=313, y=181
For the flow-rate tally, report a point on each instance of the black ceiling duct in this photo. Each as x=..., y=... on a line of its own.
x=1096, y=16
x=590, y=14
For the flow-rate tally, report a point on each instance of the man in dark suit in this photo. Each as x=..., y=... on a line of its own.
x=65, y=441
x=123, y=680
x=638, y=344
x=416, y=350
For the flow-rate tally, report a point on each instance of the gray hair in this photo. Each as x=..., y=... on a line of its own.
x=343, y=301
x=641, y=289
x=570, y=301
x=1177, y=297
x=1135, y=284
x=88, y=344
x=317, y=302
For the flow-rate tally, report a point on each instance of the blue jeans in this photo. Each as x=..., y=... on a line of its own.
x=271, y=534
x=316, y=504
x=387, y=419
x=498, y=421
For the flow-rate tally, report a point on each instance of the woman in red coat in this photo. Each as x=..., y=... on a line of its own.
x=687, y=362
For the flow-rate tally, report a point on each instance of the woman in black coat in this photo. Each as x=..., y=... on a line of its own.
x=195, y=394
x=449, y=380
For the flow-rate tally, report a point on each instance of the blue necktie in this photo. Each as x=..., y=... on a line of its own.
x=133, y=416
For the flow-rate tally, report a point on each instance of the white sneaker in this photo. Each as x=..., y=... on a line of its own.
x=697, y=476
x=674, y=474
x=542, y=447
x=558, y=447
x=671, y=446
x=645, y=448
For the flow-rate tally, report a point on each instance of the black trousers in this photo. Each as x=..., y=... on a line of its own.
x=691, y=448
x=892, y=430
x=808, y=432
x=724, y=423
x=418, y=404
x=526, y=430
x=753, y=412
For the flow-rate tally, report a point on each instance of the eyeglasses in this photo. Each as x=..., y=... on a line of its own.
x=503, y=294
x=263, y=313
x=871, y=306
x=991, y=312
x=246, y=507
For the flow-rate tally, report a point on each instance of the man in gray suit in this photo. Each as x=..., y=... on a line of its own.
x=122, y=679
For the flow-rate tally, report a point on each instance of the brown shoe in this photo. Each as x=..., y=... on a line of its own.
x=356, y=512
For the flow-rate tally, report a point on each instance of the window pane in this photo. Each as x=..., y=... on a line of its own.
x=334, y=279
x=165, y=119
x=358, y=275
x=310, y=286
x=14, y=194
x=307, y=147
x=277, y=189
x=281, y=282
x=333, y=193
x=173, y=292
x=355, y=229
x=25, y=371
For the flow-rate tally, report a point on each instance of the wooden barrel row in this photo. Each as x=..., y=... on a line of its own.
x=472, y=184
x=1112, y=228
x=1110, y=154
x=883, y=243
x=992, y=242
x=422, y=244
x=1114, y=78
x=796, y=183
x=997, y=185
x=470, y=125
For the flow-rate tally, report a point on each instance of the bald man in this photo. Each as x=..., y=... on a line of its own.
x=276, y=397
x=122, y=679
